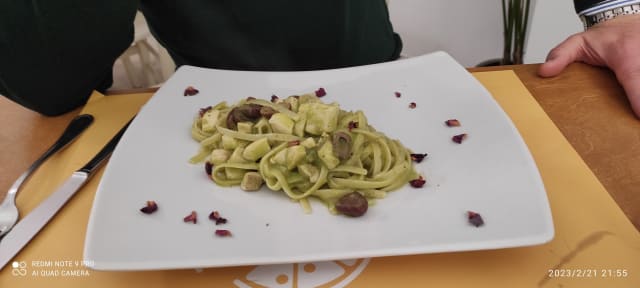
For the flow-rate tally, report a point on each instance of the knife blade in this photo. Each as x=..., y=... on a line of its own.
x=31, y=224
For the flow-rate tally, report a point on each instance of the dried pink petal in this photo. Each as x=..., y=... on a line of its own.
x=208, y=168
x=223, y=233
x=475, y=219
x=413, y=105
x=151, y=207
x=215, y=216
x=452, y=123
x=321, y=92
x=193, y=217
x=352, y=125
x=459, y=138
x=418, y=157
x=293, y=143
x=190, y=91
x=397, y=94
x=204, y=110
x=417, y=183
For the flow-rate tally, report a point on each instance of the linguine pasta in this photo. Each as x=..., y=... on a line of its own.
x=301, y=146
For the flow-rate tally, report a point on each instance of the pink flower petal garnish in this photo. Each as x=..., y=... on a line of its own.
x=452, y=123
x=321, y=92
x=151, y=207
x=417, y=183
x=475, y=219
x=190, y=91
x=459, y=138
x=193, y=217
x=223, y=233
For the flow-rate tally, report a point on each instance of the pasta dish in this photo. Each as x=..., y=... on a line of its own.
x=303, y=147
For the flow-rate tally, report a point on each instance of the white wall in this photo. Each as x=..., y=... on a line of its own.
x=471, y=30
x=553, y=21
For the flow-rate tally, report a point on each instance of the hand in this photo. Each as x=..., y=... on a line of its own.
x=614, y=44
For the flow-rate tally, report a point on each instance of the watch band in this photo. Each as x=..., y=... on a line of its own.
x=608, y=14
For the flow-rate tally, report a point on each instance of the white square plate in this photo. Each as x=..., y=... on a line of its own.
x=491, y=172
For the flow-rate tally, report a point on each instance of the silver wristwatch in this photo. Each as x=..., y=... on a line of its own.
x=601, y=16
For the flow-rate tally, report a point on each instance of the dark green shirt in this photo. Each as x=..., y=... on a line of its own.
x=53, y=54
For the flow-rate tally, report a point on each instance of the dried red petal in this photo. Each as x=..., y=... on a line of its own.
x=418, y=157
x=352, y=125
x=413, y=105
x=193, y=217
x=475, y=219
x=190, y=91
x=452, y=123
x=204, y=110
x=397, y=94
x=458, y=138
x=321, y=92
x=208, y=168
x=151, y=207
x=417, y=183
x=223, y=233
x=215, y=216
x=274, y=98
x=293, y=143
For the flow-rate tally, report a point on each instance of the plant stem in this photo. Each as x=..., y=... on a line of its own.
x=515, y=17
x=508, y=31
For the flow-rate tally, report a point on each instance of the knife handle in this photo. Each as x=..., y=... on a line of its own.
x=94, y=163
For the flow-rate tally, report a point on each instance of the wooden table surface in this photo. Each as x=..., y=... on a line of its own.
x=585, y=102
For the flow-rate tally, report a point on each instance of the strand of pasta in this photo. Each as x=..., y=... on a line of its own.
x=254, y=137
x=265, y=172
x=196, y=131
x=231, y=182
x=280, y=109
x=386, y=153
x=200, y=157
x=211, y=140
x=285, y=185
x=389, y=179
x=268, y=173
x=376, y=164
x=350, y=169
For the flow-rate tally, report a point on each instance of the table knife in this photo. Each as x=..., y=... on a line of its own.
x=31, y=224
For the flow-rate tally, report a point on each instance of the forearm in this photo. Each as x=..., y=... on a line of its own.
x=592, y=12
x=55, y=53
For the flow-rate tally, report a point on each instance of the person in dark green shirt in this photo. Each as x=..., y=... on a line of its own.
x=53, y=54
